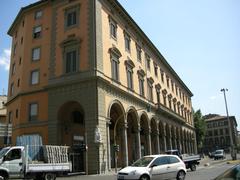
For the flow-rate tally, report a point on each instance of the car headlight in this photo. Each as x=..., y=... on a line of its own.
x=133, y=172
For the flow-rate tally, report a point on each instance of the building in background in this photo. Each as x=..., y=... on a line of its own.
x=218, y=132
x=5, y=126
x=83, y=72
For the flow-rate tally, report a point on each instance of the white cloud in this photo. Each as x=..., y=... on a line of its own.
x=5, y=58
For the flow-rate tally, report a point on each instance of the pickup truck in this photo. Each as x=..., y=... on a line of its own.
x=38, y=163
x=190, y=160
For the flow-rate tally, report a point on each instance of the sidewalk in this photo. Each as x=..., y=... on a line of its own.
x=206, y=161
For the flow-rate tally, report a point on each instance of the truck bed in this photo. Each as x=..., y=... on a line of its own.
x=187, y=158
x=49, y=167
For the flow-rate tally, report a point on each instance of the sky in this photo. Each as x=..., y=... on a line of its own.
x=200, y=39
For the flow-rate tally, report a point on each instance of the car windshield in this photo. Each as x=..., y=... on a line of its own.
x=143, y=162
x=218, y=152
x=3, y=152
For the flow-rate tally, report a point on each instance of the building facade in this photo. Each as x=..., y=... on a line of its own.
x=5, y=126
x=83, y=72
x=219, y=132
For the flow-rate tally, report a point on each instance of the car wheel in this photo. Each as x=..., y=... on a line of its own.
x=144, y=177
x=193, y=167
x=181, y=175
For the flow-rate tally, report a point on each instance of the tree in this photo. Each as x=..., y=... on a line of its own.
x=200, y=126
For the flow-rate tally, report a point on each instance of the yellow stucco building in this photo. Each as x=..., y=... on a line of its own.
x=83, y=72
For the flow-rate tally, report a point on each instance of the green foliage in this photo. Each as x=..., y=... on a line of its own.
x=200, y=126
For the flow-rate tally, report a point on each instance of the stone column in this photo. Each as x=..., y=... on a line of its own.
x=183, y=144
x=125, y=144
x=175, y=138
x=149, y=141
x=108, y=144
x=170, y=138
x=164, y=137
x=139, y=141
x=179, y=141
x=158, y=143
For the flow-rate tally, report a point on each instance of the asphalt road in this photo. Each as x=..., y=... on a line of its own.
x=208, y=172
x=202, y=173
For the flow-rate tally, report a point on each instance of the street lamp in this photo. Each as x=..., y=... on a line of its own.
x=232, y=151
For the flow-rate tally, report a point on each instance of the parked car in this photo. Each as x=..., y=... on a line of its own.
x=154, y=167
x=230, y=174
x=219, y=154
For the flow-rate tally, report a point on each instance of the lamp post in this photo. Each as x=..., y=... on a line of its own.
x=232, y=151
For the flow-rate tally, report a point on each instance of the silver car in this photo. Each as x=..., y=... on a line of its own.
x=155, y=167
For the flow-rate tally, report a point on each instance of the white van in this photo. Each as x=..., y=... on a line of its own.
x=219, y=154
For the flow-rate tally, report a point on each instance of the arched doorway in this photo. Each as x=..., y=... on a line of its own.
x=144, y=135
x=132, y=135
x=117, y=129
x=154, y=139
x=72, y=127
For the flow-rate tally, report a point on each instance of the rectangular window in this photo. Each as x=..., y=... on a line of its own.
x=18, y=83
x=34, y=77
x=38, y=14
x=33, y=111
x=71, y=61
x=130, y=78
x=15, y=49
x=71, y=18
x=172, y=86
x=139, y=53
x=37, y=32
x=115, y=69
x=162, y=75
x=10, y=117
x=127, y=42
x=156, y=69
x=36, y=54
x=21, y=40
x=113, y=30
x=158, y=96
x=20, y=61
x=141, y=86
x=174, y=107
x=221, y=131
x=167, y=81
x=148, y=61
x=11, y=89
x=170, y=103
x=16, y=113
x=13, y=68
x=164, y=100
x=176, y=89
x=150, y=93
